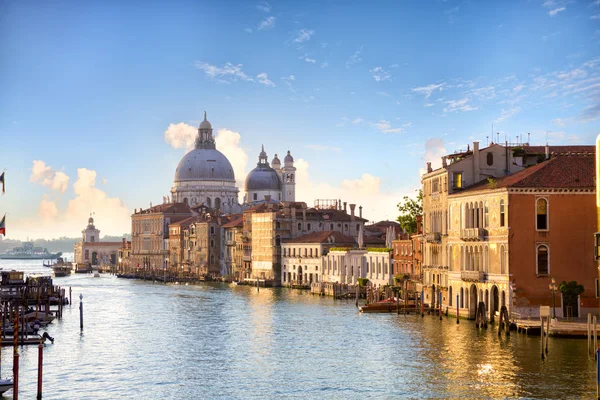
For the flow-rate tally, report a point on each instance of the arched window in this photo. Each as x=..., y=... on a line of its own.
x=486, y=214
x=542, y=260
x=185, y=200
x=212, y=259
x=490, y=159
x=541, y=206
x=462, y=294
x=299, y=226
x=277, y=225
x=218, y=203
x=502, y=214
x=308, y=227
x=208, y=202
x=212, y=243
x=330, y=227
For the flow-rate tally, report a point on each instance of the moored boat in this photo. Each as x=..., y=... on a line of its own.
x=387, y=305
x=5, y=385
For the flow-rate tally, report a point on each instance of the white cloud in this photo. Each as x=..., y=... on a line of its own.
x=559, y=121
x=181, y=135
x=573, y=74
x=429, y=104
x=48, y=209
x=267, y=23
x=518, y=88
x=264, y=6
x=358, y=121
x=379, y=74
x=553, y=13
x=303, y=35
x=308, y=59
x=248, y=30
x=386, y=127
x=505, y=114
x=597, y=16
x=227, y=74
x=228, y=143
x=429, y=89
x=459, y=105
x=365, y=190
x=354, y=58
x=434, y=151
x=46, y=176
x=342, y=122
x=262, y=78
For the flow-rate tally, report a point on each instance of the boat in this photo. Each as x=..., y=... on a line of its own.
x=83, y=268
x=5, y=385
x=388, y=305
x=61, y=270
x=96, y=275
x=29, y=252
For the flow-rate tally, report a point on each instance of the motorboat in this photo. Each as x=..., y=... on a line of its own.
x=96, y=275
x=5, y=385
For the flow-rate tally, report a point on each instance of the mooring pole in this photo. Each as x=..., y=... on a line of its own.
x=598, y=373
x=547, y=332
x=40, y=364
x=589, y=333
x=440, y=303
x=422, y=303
x=457, y=311
x=70, y=299
x=81, y=311
x=542, y=336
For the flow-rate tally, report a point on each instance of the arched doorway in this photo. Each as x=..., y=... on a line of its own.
x=94, y=258
x=494, y=300
x=299, y=274
x=113, y=259
x=472, y=302
x=433, y=297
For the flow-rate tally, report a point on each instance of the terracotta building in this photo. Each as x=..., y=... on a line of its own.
x=507, y=238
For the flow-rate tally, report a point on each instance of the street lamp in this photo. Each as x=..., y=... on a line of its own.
x=553, y=288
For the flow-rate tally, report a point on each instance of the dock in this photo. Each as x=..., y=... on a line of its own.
x=572, y=329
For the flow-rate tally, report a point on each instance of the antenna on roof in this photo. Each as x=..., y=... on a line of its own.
x=498, y=135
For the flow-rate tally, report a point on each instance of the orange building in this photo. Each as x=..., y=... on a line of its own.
x=509, y=237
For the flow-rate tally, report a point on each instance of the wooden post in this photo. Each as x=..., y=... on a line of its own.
x=457, y=310
x=542, y=336
x=440, y=304
x=81, y=311
x=70, y=299
x=16, y=376
x=547, y=332
x=595, y=335
x=589, y=333
x=422, y=303
x=398, y=304
x=357, y=293
x=40, y=364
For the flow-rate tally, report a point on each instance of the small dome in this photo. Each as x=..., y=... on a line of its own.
x=91, y=221
x=204, y=165
x=205, y=124
x=263, y=177
x=288, y=158
x=276, y=161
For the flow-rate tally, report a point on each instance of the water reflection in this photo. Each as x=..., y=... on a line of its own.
x=145, y=340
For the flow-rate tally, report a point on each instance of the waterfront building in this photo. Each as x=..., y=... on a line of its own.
x=407, y=256
x=302, y=257
x=150, y=235
x=124, y=256
x=274, y=181
x=205, y=176
x=204, y=238
x=91, y=250
x=507, y=238
x=233, y=231
x=344, y=265
x=458, y=171
x=179, y=247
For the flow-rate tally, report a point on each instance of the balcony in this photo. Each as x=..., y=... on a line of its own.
x=472, y=234
x=473, y=276
x=435, y=237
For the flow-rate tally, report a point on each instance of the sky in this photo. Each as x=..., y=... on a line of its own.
x=99, y=100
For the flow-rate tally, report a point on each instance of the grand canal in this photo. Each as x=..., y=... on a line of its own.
x=148, y=340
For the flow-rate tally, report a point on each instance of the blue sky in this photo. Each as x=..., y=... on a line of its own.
x=362, y=93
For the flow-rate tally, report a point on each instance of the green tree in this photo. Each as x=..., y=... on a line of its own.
x=409, y=210
x=570, y=292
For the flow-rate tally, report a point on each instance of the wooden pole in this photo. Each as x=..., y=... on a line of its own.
x=547, y=332
x=457, y=310
x=398, y=304
x=40, y=364
x=542, y=337
x=589, y=333
x=81, y=311
x=70, y=299
x=595, y=334
x=440, y=304
x=422, y=303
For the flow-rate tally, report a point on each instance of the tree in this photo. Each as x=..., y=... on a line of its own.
x=570, y=292
x=409, y=210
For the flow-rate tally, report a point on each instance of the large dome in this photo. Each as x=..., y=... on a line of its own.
x=263, y=177
x=204, y=165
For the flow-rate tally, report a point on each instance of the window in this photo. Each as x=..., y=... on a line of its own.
x=330, y=227
x=435, y=185
x=502, y=213
x=450, y=296
x=490, y=159
x=255, y=197
x=212, y=243
x=357, y=227
x=299, y=226
x=212, y=230
x=208, y=202
x=93, y=239
x=457, y=181
x=308, y=227
x=345, y=227
x=486, y=213
x=542, y=260
x=541, y=214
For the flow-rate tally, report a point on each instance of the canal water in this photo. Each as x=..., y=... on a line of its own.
x=146, y=340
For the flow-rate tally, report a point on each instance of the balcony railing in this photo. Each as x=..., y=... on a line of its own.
x=434, y=237
x=472, y=234
x=473, y=276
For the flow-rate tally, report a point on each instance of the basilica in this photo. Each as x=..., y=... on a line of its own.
x=205, y=176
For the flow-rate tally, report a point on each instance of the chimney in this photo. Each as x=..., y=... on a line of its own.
x=547, y=148
x=419, y=219
x=476, y=171
x=444, y=163
x=345, y=203
x=339, y=204
x=352, y=207
x=360, y=212
x=429, y=167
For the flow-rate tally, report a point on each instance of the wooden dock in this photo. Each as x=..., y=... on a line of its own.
x=557, y=328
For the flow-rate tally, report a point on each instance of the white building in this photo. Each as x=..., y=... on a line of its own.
x=205, y=176
x=347, y=265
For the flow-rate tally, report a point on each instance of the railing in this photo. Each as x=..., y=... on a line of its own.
x=434, y=237
x=472, y=234
x=473, y=276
